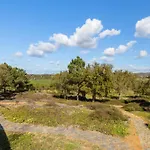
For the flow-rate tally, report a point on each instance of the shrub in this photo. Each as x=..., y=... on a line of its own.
x=133, y=107
x=108, y=113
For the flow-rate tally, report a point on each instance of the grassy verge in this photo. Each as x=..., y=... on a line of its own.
x=29, y=141
x=140, y=109
x=96, y=117
x=145, y=115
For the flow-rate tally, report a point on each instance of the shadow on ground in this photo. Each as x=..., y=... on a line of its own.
x=7, y=96
x=81, y=98
x=142, y=102
x=4, y=143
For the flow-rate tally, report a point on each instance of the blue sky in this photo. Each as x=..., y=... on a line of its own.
x=42, y=36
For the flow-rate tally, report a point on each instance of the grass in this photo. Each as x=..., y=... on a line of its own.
x=140, y=108
x=145, y=115
x=30, y=141
x=42, y=84
x=103, y=119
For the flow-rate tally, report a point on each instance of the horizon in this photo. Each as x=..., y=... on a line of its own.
x=43, y=37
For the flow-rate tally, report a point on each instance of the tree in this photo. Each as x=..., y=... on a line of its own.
x=123, y=80
x=20, y=80
x=5, y=77
x=95, y=80
x=107, y=78
x=76, y=74
x=62, y=84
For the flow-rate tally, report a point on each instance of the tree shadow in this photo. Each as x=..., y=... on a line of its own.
x=81, y=98
x=7, y=96
x=142, y=102
x=4, y=143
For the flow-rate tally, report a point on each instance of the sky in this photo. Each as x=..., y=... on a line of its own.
x=42, y=36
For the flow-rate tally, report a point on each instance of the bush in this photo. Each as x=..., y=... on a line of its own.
x=133, y=107
x=108, y=113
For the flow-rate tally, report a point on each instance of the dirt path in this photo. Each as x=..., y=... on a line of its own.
x=139, y=137
x=107, y=142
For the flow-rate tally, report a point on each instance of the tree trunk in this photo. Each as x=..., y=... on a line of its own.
x=77, y=96
x=119, y=96
x=94, y=96
x=83, y=94
x=78, y=91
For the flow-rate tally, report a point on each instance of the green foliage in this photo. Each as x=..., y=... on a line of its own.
x=20, y=81
x=123, y=81
x=99, y=79
x=5, y=77
x=133, y=107
x=62, y=84
x=77, y=74
x=13, y=79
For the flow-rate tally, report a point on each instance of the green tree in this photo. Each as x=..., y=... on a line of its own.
x=20, y=80
x=95, y=80
x=123, y=81
x=62, y=84
x=77, y=74
x=107, y=79
x=5, y=77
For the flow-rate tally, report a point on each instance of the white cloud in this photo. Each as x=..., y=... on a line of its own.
x=18, y=54
x=143, y=28
x=84, y=51
x=123, y=48
x=84, y=37
x=111, y=32
x=60, y=38
x=143, y=53
x=39, y=49
x=106, y=59
x=109, y=51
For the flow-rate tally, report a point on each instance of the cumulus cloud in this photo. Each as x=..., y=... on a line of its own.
x=85, y=36
x=124, y=48
x=106, y=59
x=143, y=53
x=143, y=28
x=121, y=49
x=18, y=54
x=40, y=48
x=107, y=32
x=109, y=51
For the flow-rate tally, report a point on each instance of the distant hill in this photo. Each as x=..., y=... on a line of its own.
x=39, y=76
x=143, y=74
